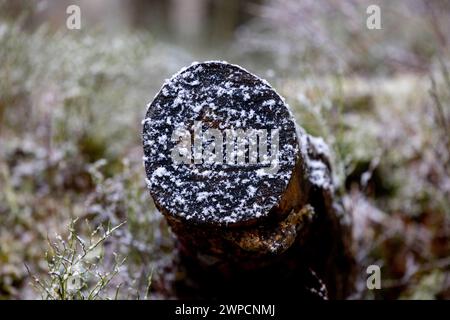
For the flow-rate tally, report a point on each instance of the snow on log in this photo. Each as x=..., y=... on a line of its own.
x=239, y=182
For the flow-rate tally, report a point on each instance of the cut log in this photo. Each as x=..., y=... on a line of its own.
x=246, y=191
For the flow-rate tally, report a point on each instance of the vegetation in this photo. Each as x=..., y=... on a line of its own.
x=71, y=105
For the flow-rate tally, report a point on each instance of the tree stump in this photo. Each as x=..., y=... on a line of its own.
x=246, y=191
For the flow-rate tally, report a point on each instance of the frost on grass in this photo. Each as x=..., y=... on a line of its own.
x=222, y=96
x=74, y=271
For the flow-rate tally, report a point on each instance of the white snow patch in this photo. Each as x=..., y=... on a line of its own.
x=161, y=171
x=269, y=103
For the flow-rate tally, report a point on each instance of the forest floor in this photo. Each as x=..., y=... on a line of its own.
x=70, y=149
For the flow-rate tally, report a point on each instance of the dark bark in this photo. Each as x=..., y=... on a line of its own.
x=287, y=235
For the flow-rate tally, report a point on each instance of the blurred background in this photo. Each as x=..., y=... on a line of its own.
x=72, y=101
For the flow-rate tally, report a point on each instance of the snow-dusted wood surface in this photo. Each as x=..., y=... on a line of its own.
x=248, y=193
